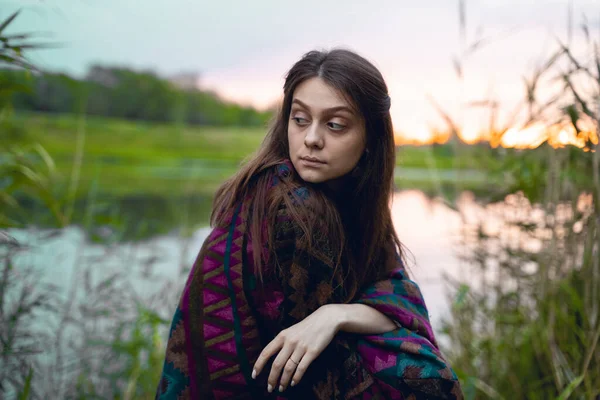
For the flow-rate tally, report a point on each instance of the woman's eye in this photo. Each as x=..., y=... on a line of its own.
x=334, y=126
x=300, y=120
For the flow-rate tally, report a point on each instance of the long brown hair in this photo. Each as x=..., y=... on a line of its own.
x=360, y=229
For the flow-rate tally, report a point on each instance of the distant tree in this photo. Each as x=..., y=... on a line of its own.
x=124, y=93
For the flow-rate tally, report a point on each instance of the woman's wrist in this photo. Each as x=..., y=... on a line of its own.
x=358, y=318
x=337, y=314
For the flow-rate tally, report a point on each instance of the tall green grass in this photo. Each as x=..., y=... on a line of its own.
x=526, y=324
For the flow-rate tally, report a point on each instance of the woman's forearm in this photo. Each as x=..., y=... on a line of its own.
x=360, y=318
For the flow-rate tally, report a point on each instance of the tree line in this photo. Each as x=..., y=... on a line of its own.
x=125, y=93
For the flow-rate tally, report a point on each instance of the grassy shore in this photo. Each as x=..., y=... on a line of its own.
x=126, y=157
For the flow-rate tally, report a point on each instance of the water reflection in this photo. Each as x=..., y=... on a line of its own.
x=428, y=228
x=431, y=232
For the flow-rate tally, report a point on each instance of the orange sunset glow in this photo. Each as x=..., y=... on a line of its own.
x=528, y=137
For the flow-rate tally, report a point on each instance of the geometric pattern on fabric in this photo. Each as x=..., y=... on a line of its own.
x=225, y=317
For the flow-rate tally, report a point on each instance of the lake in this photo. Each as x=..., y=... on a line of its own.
x=428, y=228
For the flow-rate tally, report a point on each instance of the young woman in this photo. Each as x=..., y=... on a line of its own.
x=300, y=290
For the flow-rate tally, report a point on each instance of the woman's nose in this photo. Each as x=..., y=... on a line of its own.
x=314, y=137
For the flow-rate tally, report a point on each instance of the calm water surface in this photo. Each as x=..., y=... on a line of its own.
x=429, y=229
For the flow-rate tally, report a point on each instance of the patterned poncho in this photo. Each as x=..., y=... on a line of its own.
x=226, y=316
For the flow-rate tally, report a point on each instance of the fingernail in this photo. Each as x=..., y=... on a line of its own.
x=269, y=388
x=253, y=374
x=293, y=383
x=281, y=389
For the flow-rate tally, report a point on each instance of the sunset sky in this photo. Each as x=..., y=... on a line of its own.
x=242, y=49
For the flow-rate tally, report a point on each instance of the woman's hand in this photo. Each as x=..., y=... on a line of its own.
x=298, y=346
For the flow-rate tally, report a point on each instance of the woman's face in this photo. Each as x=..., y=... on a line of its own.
x=326, y=136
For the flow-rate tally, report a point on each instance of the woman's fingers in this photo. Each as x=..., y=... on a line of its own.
x=273, y=347
x=301, y=344
x=278, y=365
x=290, y=368
x=306, y=360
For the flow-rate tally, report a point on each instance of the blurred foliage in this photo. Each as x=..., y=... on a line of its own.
x=23, y=301
x=526, y=324
x=127, y=94
x=52, y=346
x=30, y=169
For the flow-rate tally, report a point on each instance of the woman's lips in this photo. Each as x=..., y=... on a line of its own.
x=312, y=162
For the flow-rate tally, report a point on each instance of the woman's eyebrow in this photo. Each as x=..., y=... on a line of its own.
x=327, y=110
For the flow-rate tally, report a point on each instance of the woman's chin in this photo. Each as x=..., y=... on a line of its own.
x=312, y=176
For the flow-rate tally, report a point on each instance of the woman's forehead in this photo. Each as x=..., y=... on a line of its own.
x=316, y=95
